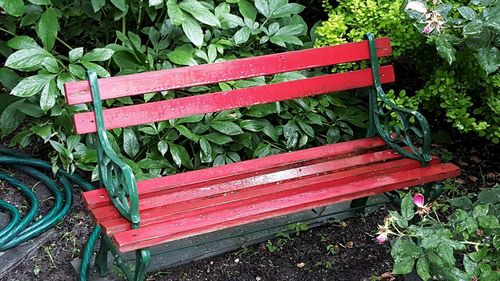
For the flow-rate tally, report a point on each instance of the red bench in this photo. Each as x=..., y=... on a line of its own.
x=135, y=216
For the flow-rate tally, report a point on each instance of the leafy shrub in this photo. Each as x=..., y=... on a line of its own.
x=352, y=19
x=463, y=246
x=454, y=73
x=466, y=35
x=119, y=37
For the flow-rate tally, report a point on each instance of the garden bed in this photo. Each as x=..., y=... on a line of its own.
x=337, y=251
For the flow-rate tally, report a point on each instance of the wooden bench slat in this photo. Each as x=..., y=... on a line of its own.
x=239, y=197
x=151, y=112
x=316, y=195
x=162, y=80
x=186, y=193
x=148, y=188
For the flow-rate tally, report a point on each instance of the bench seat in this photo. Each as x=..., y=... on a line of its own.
x=211, y=199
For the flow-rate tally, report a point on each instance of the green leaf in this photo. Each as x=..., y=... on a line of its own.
x=199, y=12
x=13, y=7
x=22, y=42
x=130, y=142
x=403, y=265
x=27, y=59
x=287, y=10
x=488, y=59
x=120, y=4
x=461, y=202
x=183, y=130
x=226, y=127
x=190, y=119
x=8, y=78
x=407, y=208
x=263, y=7
x=247, y=9
x=242, y=35
x=32, y=14
x=32, y=85
x=49, y=95
x=11, y=117
x=474, y=27
x=155, y=2
x=41, y=2
x=101, y=71
x=445, y=251
x=206, y=150
x=163, y=147
x=423, y=269
x=445, y=50
x=489, y=196
x=467, y=12
x=97, y=5
x=404, y=248
x=455, y=274
x=98, y=54
x=75, y=54
x=470, y=266
x=480, y=210
x=175, y=13
x=182, y=55
x=193, y=31
x=180, y=156
x=306, y=128
x=333, y=134
x=47, y=28
x=45, y=132
x=218, y=138
x=262, y=150
x=488, y=222
x=253, y=125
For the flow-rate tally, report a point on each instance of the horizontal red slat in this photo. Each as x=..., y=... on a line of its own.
x=278, y=204
x=186, y=193
x=98, y=198
x=182, y=107
x=241, y=197
x=162, y=80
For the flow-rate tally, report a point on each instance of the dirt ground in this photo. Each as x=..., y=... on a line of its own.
x=337, y=251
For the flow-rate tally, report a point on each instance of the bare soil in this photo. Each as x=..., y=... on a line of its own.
x=336, y=251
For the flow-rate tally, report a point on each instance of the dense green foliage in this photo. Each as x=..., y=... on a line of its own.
x=451, y=50
x=352, y=19
x=465, y=245
x=51, y=42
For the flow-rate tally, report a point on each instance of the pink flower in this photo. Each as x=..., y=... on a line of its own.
x=381, y=238
x=418, y=200
x=427, y=30
x=422, y=209
x=383, y=232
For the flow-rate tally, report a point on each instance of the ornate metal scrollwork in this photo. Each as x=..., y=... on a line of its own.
x=116, y=176
x=392, y=122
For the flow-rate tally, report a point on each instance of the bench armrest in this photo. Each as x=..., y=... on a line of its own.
x=392, y=122
x=116, y=176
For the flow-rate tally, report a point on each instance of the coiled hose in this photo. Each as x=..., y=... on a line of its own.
x=20, y=229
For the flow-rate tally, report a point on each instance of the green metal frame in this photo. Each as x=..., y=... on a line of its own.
x=119, y=180
x=392, y=122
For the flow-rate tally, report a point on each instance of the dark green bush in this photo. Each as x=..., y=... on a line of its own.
x=54, y=41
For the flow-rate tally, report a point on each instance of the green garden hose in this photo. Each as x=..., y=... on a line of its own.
x=22, y=228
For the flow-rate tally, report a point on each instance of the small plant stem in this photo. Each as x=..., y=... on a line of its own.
x=8, y=32
x=437, y=217
x=64, y=43
x=472, y=243
x=124, y=26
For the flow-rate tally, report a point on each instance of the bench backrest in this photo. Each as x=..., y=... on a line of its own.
x=183, y=77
